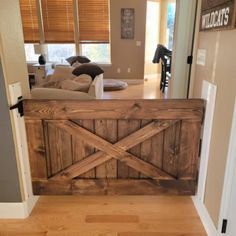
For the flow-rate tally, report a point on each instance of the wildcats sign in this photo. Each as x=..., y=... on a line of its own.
x=217, y=15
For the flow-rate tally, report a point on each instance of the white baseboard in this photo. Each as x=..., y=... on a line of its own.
x=205, y=217
x=18, y=210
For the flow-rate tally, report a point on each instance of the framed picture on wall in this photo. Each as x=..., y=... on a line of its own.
x=127, y=23
x=218, y=15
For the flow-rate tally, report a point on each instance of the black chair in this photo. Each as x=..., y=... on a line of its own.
x=164, y=55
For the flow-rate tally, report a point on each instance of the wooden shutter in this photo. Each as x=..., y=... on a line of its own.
x=29, y=21
x=58, y=21
x=93, y=21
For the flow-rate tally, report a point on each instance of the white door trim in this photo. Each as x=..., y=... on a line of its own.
x=22, y=209
x=205, y=217
x=209, y=94
x=229, y=174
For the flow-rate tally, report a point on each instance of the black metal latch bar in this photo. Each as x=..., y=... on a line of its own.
x=19, y=106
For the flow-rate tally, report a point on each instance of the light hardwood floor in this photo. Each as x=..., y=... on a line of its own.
x=108, y=216
x=150, y=89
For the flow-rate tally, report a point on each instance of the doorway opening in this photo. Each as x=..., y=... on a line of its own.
x=160, y=21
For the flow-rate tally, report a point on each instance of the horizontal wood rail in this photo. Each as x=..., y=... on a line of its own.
x=114, y=146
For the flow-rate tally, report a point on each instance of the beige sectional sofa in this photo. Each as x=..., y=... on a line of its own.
x=95, y=92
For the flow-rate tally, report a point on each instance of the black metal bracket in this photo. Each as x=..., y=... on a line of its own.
x=224, y=226
x=190, y=60
x=19, y=106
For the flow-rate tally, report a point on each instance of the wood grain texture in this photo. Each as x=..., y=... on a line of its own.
x=81, y=149
x=104, y=147
x=114, y=109
x=133, y=187
x=125, y=143
x=114, y=187
x=189, y=149
x=36, y=148
x=112, y=219
x=60, y=148
x=66, y=216
x=107, y=129
x=114, y=151
x=171, y=149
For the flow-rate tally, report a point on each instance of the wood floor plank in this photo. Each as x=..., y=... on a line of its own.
x=112, y=219
x=107, y=216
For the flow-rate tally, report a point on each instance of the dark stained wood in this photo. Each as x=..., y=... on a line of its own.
x=218, y=15
x=126, y=143
x=114, y=147
x=188, y=153
x=114, y=109
x=45, y=187
x=46, y=135
x=145, y=147
x=133, y=187
x=81, y=149
x=114, y=151
x=171, y=149
x=60, y=148
x=36, y=147
x=114, y=187
x=123, y=169
x=107, y=129
x=133, y=126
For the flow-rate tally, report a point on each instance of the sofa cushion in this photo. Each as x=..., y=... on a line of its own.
x=80, y=59
x=51, y=93
x=80, y=83
x=91, y=69
x=62, y=73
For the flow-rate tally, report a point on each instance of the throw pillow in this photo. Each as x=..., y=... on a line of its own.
x=76, y=64
x=80, y=83
x=91, y=69
x=62, y=73
x=80, y=59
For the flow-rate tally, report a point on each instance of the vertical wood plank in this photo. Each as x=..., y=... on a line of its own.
x=171, y=149
x=65, y=148
x=134, y=125
x=36, y=147
x=47, y=147
x=107, y=129
x=54, y=148
x=123, y=169
x=188, y=154
x=59, y=148
x=81, y=149
x=146, y=147
x=156, y=154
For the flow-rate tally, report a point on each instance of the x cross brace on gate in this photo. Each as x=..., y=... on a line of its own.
x=117, y=150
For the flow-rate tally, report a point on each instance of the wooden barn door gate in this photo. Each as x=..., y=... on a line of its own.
x=114, y=146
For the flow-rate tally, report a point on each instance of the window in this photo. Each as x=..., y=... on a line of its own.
x=59, y=52
x=170, y=24
x=29, y=53
x=59, y=24
x=93, y=21
x=58, y=21
x=97, y=52
x=152, y=29
x=29, y=20
x=94, y=29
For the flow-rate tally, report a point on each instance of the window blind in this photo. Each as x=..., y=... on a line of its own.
x=58, y=21
x=29, y=21
x=94, y=25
